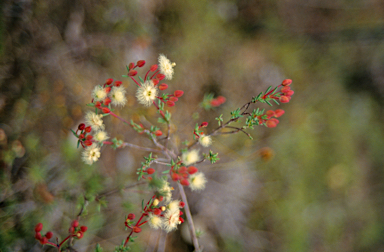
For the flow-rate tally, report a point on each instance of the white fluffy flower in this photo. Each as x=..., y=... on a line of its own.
x=147, y=93
x=100, y=136
x=205, y=141
x=197, y=181
x=171, y=220
x=117, y=96
x=99, y=93
x=190, y=157
x=166, y=192
x=155, y=221
x=91, y=154
x=94, y=120
x=166, y=67
x=174, y=205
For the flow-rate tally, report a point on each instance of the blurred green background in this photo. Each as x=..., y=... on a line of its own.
x=314, y=183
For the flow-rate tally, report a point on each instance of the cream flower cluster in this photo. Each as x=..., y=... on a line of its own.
x=166, y=67
x=167, y=221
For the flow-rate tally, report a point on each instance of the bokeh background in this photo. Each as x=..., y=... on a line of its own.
x=314, y=183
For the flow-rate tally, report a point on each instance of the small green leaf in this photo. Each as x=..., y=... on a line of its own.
x=141, y=80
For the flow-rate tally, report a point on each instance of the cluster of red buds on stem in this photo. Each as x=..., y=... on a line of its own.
x=74, y=231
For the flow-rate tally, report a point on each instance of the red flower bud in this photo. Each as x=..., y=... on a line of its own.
x=71, y=230
x=155, y=82
x=285, y=89
x=182, y=169
x=184, y=182
x=279, y=112
x=160, y=76
x=192, y=170
x=170, y=103
x=131, y=216
x=215, y=103
x=156, y=211
x=160, y=198
x=182, y=204
x=203, y=124
x=81, y=126
x=88, y=129
x=118, y=83
x=181, y=220
x=175, y=177
x=289, y=93
x=174, y=99
x=136, y=229
x=150, y=171
x=178, y=93
x=140, y=63
x=283, y=99
x=270, y=113
x=181, y=213
x=106, y=110
x=132, y=72
x=98, y=105
x=43, y=240
x=131, y=65
x=83, y=228
x=286, y=82
x=108, y=89
x=38, y=227
x=107, y=101
x=158, y=133
x=38, y=236
x=75, y=223
x=87, y=142
x=153, y=68
x=108, y=81
x=49, y=235
x=89, y=137
x=221, y=99
x=163, y=86
x=81, y=136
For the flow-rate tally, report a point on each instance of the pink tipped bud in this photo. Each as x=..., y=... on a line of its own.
x=221, y=99
x=270, y=113
x=118, y=83
x=158, y=133
x=182, y=204
x=132, y=72
x=289, y=93
x=106, y=110
x=88, y=129
x=184, y=182
x=156, y=211
x=286, y=82
x=178, y=93
x=140, y=63
x=163, y=86
x=107, y=101
x=83, y=228
x=271, y=124
x=75, y=223
x=49, y=235
x=279, y=112
x=170, y=103
x=136, y=229
x=175, y=176
x=283, y=99
x=192, y=170
x=153, y=68
x=81, y=126
x=131, y=216
x=108, y=81
x=38, y=227
x=131, y=65
x=150, y=171
x=174, y=99
x=160, y=76
x=204, y=124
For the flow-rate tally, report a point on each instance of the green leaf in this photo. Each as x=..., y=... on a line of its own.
x=269, y=88
x=141, y=80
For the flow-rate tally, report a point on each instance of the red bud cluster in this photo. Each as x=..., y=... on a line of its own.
x=182, y=173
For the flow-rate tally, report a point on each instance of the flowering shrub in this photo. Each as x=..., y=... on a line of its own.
x=163, y=211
